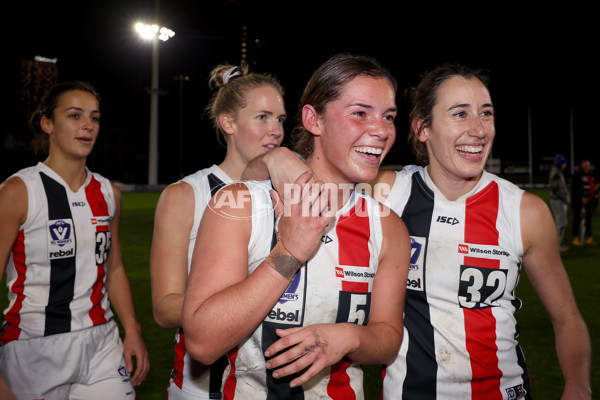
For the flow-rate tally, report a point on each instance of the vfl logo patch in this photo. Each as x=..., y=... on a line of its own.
x=122, y=371
x=415, y=279
x=290, y=293
x=61, y=243
x=60, y=232
x=516, y=392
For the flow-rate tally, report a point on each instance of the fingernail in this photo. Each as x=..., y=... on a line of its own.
x=275, y=375
x=268, y=365
x=267, y=353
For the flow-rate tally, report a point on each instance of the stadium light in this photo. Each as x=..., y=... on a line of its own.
x=154, y=33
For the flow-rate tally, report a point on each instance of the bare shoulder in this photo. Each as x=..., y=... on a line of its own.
x=13, y=198
x=537, y=225
x=382, y=184
x=533, y=209
x=233, y=200
x=391, y=222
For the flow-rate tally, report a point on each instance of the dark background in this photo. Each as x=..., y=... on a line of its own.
x=542, y=60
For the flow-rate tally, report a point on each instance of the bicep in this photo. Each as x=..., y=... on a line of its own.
x=173, y=222
x=220, y=256
x=389, y=286
x=541, y=259
x=13, y=212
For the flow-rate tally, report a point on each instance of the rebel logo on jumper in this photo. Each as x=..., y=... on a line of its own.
x=289, y=309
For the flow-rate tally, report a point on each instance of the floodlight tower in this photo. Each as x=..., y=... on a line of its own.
x=156, y=34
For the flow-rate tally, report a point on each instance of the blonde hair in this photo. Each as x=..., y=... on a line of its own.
x=231, y=85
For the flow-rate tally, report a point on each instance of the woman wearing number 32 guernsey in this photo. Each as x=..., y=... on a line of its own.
x=472, y=233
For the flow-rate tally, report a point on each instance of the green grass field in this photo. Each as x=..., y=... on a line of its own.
x=537, y=338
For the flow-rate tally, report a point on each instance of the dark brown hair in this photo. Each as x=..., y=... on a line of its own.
x=425, y=96
x=46, y=107
x=326, y=85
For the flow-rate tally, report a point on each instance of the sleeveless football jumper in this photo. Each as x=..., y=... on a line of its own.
x=460, y=339
x=332, y=286
x=56, y=270
x=189, y=378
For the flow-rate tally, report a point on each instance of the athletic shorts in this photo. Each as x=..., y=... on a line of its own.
x=82, y=365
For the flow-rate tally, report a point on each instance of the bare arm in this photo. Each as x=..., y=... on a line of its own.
x=549, y=279
x=376, y=342
x=224, y=304
x=13, y=212
x=281, y=165
x=119, y=293
x=173, y=222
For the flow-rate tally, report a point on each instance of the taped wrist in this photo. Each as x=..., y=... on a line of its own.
x=283, y=261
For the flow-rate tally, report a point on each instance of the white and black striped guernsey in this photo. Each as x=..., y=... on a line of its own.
x=460, y=340
x=333, y=286
x=189, y=378
x=56, y=271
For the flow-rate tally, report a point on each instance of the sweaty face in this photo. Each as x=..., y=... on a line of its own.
x=258, y=127
x=75, y=124
x=356, y=131
x=462, y=131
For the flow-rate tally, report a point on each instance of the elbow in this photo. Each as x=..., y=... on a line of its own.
x=395, y=347
x=201, y=353
x=163, y=322
x=166, y=319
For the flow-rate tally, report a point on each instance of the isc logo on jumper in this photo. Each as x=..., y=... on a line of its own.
x=60, y=239
x=447, y=220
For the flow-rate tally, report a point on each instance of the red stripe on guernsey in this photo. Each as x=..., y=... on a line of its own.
x=13, y=316
x=231, y=381
x=99, y=208
x=339, y=382
x=353, y=232
x=480, y=324
x=178, y=363
x=355, y=287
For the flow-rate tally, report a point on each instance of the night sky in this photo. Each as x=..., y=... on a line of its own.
x=541, y=60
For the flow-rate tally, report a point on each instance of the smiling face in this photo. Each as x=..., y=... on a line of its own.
x=461, y=133
x=74, y=125
x=258, y=127
x=355, y=133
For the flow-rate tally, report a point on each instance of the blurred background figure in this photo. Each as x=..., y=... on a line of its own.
x=559, y=198
x=584, y=192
